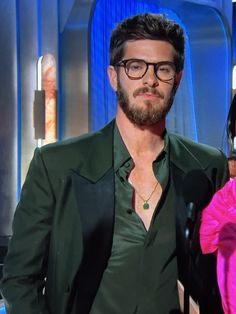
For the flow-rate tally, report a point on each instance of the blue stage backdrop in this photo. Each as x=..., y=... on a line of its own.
x=234, y=33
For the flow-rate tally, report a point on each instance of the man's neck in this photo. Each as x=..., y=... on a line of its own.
x=142, y=142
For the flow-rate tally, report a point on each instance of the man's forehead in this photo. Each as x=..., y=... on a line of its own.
x=148, y=48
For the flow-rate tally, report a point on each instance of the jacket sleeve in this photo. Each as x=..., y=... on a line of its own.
x=24, y=268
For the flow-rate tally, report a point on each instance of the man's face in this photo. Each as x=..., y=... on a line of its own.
x=145, y=101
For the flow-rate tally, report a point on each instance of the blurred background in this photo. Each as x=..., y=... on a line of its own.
x=53, y=81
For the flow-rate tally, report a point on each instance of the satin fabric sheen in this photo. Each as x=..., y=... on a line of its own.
x=218, y=235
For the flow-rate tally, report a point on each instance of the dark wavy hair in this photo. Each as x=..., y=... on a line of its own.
x=231, y=119
x=147, y=26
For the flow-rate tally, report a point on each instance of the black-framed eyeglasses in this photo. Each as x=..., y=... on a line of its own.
x=137, y=68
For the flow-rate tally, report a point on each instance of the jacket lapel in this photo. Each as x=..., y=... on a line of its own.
x=180, y=166
x=182, y=161
x=93, y=187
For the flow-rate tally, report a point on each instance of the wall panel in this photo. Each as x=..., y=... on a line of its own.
x=8, y=114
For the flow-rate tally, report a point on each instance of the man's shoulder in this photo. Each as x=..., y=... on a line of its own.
x=189, y=154
x=66, y=145
x=182, y=142
x=72, y=150
x=81, y=141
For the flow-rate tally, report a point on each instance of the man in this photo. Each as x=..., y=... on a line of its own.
x=100, y=224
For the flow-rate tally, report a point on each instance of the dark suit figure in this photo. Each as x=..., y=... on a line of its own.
x=100, y=224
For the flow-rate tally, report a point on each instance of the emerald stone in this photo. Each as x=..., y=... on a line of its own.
x=145, y=205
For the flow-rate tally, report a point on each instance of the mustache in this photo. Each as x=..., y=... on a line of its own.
x=150, y=90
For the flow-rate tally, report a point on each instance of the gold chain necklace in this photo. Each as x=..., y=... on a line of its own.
x=145, y=201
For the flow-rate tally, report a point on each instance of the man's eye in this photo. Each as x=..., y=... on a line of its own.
x=164, y=69
x=135, y=67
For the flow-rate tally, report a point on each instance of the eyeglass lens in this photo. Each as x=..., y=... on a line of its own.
x=138, y=68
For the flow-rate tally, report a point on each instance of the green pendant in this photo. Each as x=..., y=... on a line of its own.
x=145, y=205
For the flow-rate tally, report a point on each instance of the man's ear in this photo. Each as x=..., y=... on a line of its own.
x=177, y=80
x=112, y=74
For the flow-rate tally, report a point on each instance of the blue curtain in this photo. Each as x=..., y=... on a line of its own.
x=2, y=308
x=107, y=13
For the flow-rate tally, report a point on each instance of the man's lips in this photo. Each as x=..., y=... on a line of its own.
x=147, y=93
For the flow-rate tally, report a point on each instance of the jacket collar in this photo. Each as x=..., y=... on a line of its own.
x=184, y=158
x=98, y=156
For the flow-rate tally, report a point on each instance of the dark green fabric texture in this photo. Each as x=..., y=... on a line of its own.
x=142, y=269
x=63, y=225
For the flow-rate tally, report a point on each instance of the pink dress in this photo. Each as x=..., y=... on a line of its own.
x=218, y=234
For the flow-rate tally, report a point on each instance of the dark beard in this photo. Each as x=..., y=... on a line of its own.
x=139, y=116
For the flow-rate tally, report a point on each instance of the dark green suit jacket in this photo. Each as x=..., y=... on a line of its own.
x=63, y=224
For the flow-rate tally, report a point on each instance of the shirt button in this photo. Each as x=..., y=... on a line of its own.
x=122, y=179
x=129, y=211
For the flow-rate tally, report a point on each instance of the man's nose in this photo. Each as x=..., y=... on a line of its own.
x=150, y=77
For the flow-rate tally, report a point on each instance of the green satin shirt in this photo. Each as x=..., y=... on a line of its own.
x=141, y=273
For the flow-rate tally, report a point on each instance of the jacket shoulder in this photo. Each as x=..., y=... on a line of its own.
x=198, y=149
x=71, y=152
x=188, y=155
